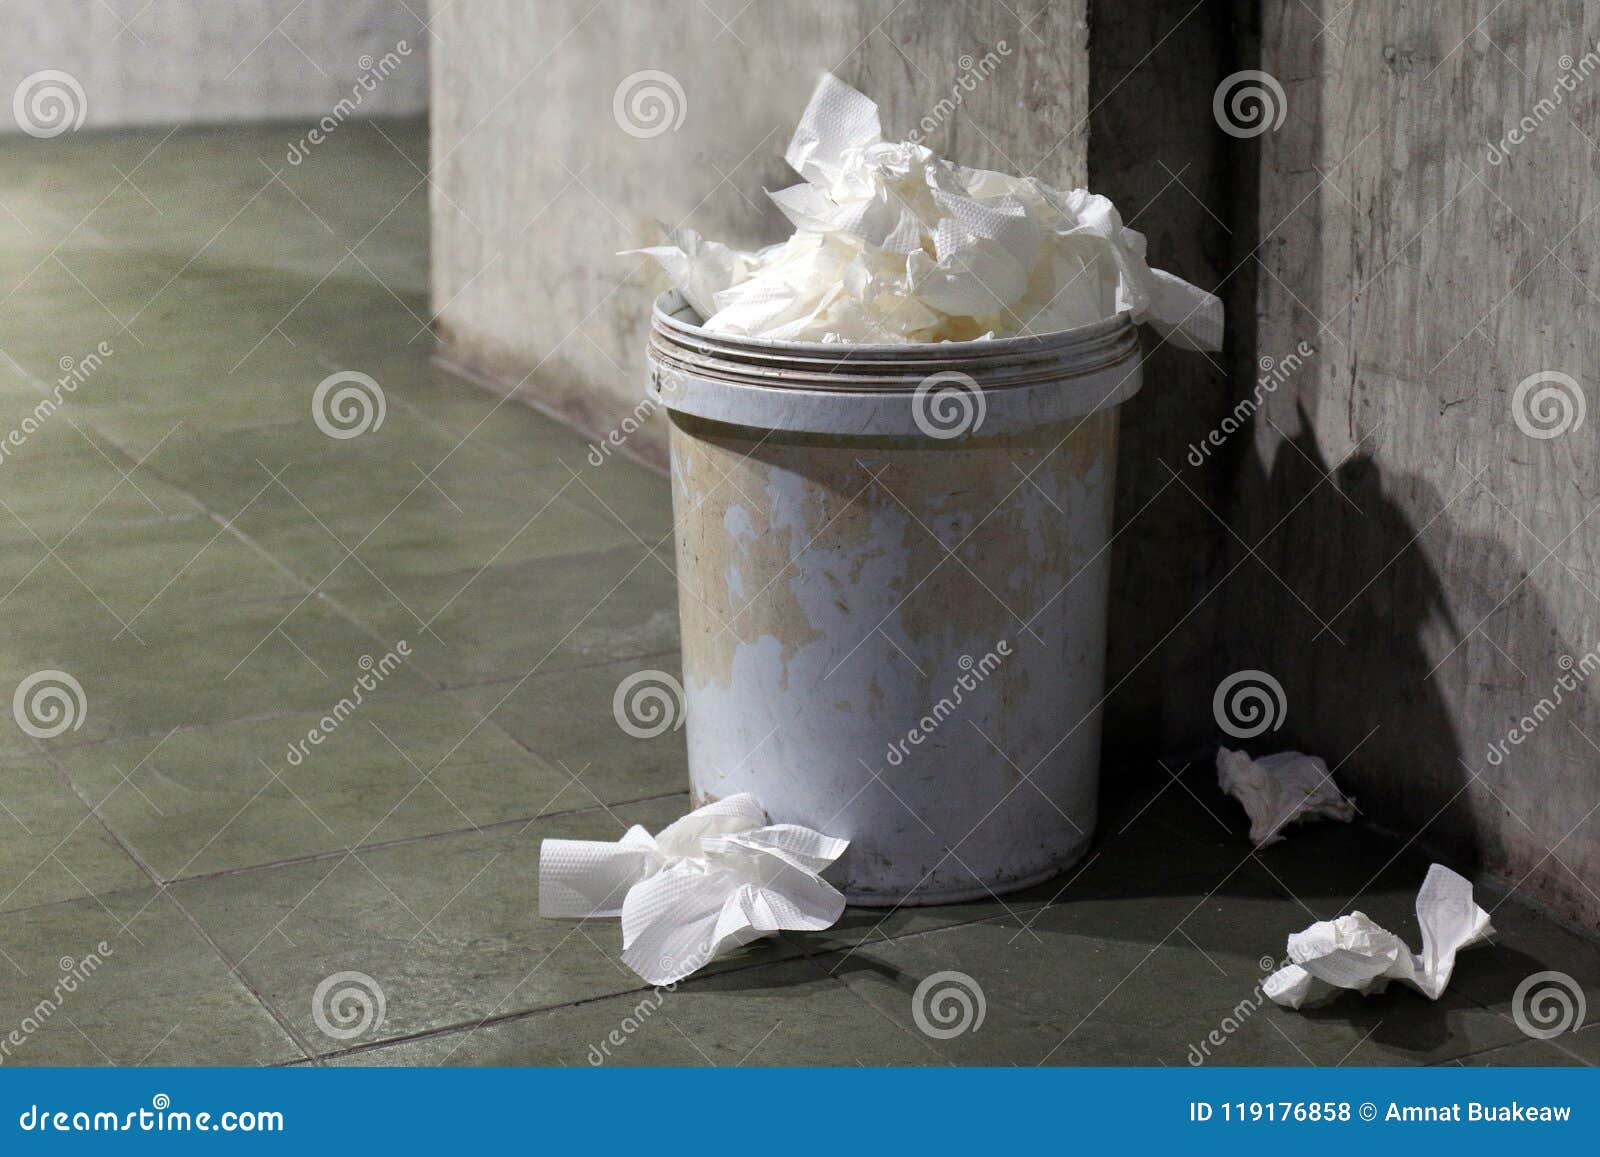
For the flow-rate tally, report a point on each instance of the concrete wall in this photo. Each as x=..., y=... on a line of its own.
x=177, y=61
x=1423, y=570
x=537, y=184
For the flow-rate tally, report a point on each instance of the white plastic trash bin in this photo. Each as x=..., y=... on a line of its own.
x=892, y=566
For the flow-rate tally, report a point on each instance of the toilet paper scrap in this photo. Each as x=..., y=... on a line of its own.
x=1282, y=789
x=716, y=879
x=1353, y=952
x=893, y=244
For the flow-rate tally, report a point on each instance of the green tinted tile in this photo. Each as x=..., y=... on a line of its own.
x=394, y=317
x=105, y=578
x=456, y=408
x=366, y=473
x=1527, y=944
x=1239, y=1042
x=65, y=477
x=1583, y=1043
x=562, y=1036
x=132, y=400
x=868, y=926
x=198, y=178
x=125, y=980
x=1178, y=995
x=1040, y=974
x=569, y=717
x=1521, y=1054
x=546, y=614
x=448, y=927
x=53, y=848
x=196, y=665
x=956, y=1016
x=391, y=766
x=402, y=497
x=779, y=1014
x=635, y=496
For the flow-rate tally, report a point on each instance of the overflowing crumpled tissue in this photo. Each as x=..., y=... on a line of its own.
x=706, y=884
x=1352, y=952
x=1282, y=789
x=893, y=244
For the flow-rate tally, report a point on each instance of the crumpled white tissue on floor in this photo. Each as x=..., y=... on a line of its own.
x=1353, y=952
x=718, y=878
x=1279, y=790
x=894, y=244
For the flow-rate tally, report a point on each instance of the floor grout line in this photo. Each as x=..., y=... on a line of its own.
x=448, y=690
x=469, y=1027
x=162, y=890
x=402, y=841
x=238, y=974
x=318, y=857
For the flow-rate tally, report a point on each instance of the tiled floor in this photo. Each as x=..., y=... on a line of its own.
x=217, y=573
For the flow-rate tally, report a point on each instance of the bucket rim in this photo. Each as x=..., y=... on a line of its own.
x=671, y=303
x=882, y=389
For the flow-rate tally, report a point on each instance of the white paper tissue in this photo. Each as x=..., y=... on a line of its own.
x=1353, y=952
x=718, y=878
x=1279, y=790
x=893, y=244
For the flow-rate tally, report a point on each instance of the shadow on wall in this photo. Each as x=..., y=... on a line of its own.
x=1358, y=653
x=1349, y=649
x=1350, y=581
